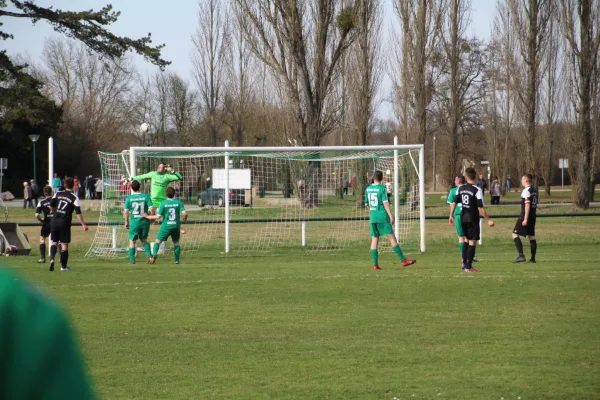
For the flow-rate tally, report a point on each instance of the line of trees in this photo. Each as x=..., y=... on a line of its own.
x=274, y=72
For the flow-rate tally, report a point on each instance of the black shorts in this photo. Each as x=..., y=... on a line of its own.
x=471, y=230
x=60, y=233
x=521, y=230
x=45, y=231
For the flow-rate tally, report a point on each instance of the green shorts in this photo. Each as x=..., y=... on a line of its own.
x=381, y=229
x=164, y=233
x=139, y=231
x=458, y=225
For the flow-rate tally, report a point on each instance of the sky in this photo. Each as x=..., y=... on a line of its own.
x=174, y=25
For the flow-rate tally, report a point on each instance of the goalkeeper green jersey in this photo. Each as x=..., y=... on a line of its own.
x=39, y=358
x=137, y=204
x=159, y=184
x=451, y=197
x=170, y=210
x=375, y=196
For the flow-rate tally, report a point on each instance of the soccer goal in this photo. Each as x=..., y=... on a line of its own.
x=269, y=199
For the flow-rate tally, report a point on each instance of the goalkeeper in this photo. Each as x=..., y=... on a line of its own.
x=160, y=179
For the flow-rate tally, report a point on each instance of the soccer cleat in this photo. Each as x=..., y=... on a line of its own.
x=463, y=266
x=408, y=262
x=152, y=260
x=132, y=262
x=176, y=262
x=41, y=261
x=471, y=270
x=51, y=265
x=65, y=269
x=532, y=261
x=520, y=259
x=376, y=268
x=475, y=259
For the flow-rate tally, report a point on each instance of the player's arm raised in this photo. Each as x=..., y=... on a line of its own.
x=149, y=175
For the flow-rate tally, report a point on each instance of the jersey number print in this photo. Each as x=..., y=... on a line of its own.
x=172, y=214
x=373, y=202
x=137, y=206
x=465, y=199
x=62, y=205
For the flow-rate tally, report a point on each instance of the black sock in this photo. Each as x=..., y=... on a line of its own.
x=464, y=252
x=52, y=251
x=43, y=250
x=470, y=255
x=533, y=244
x=519, y=245
x=64, y=257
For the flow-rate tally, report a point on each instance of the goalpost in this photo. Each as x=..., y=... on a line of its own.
x=262, y=199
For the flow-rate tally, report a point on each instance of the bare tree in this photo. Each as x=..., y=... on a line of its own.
x=182, y=109
x=210, y=60
x=580, y=29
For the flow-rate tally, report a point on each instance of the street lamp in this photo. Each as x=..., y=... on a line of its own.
x=34, y=138
x=434, y=177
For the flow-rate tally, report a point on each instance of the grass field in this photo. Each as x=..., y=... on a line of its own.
x=327, y=326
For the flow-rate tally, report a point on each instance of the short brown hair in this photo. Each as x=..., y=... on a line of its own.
x=135, y=185
x=529, y=177
x=170, y=192
x=470, y=173
x=69, y=183
x=378, y=176
x=47, y=191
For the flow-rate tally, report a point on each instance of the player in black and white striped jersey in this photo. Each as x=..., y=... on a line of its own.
x=62, y=205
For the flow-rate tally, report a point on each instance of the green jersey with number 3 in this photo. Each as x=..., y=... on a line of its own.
x=171, y=210
x=137, y=204
x=375, y=196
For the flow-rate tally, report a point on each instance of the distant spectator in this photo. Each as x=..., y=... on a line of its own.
x=481, y=184
x=188, y=197
x=99, y=185
x=56, y=182
x=27, y=196
x=89, y=184
x=346, y=184
x=508, y=183
x=76, y=186
x=353, y=184
x=35, y=191
x=177, y=191
x=208, y=183
x=388, y=188
x=496, y=191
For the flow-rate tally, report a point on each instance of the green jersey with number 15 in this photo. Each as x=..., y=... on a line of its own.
x=137, y=204
x=170, y=210
x=375, y=196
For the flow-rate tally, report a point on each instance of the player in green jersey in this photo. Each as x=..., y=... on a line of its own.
x=39, y=356
x=169, y=210
x=459, y=180
x=135, y=205
x=160, y=179
x=381, y=220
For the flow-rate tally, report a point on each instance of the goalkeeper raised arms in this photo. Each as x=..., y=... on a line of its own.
x=160, y=180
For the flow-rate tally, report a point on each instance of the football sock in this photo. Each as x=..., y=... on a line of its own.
x=518, y=245
x=155, y=249
x=398, y=252
x=470, y=255
x=64, y=258
x=43, y=250
x=177, y=251
x=460, y=247
x=147, y=250
x=464, y=252
x=533, y=244
x=52, y=251
x=132, y=254
x=374, y=256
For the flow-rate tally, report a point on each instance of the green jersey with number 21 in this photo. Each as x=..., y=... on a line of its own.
x=137, y=204
x=170, y=210
x=375, y=196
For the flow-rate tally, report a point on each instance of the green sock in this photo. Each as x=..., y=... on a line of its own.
x=155, y=249
x=374, y=256
x=147, y=250
x=398, y=252
x=132, y=254
x=177, y=252
x=460, y=247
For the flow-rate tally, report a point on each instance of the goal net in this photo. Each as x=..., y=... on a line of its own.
x=269, y=200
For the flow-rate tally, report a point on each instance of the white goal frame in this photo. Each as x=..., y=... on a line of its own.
x=420, y=170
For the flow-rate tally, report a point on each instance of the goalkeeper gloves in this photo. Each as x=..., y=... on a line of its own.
x=169, y=169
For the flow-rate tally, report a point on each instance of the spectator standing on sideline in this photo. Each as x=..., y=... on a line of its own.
x=495, y=191
x=353, y=184
x=27, y=196
x=99, y=188
x=35, y=191
x=346, y=185
x=76, y=186
x=508, y=183
x=56, y=182
x=89, y=183
x=189, y=193
x=481, y=184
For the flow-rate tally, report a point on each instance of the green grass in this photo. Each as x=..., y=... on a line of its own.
x=327, y=326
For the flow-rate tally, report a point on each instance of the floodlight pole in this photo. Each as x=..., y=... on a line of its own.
x=50, y=162
x=396, y=197
x=34, y=139
x=227, y=241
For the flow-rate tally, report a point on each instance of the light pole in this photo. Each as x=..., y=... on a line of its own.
x=34, y=138
x=434, y=180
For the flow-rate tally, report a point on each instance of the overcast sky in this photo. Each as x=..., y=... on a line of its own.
x=174, y=25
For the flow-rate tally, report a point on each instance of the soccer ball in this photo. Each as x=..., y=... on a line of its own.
x=144, y=127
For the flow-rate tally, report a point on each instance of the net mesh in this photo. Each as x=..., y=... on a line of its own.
x=320, y=194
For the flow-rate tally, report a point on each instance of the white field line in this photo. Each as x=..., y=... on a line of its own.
x=365, y=276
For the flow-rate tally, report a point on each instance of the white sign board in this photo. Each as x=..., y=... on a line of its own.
x=238, y=178
x=563, y=163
